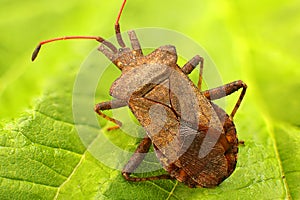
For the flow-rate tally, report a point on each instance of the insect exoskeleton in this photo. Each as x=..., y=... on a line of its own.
x=193, y=138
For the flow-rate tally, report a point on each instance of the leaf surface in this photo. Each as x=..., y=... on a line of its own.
x=42, y=156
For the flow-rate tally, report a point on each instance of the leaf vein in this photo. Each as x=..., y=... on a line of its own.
x=48, y=167
x=75, y=168
x=53, y=147
x=271, y=131
x=27, y=181
x=69, y=178
x=162, y=189
x=172, y=191
x=66, y=122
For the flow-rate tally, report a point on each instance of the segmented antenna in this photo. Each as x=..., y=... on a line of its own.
x=97, y=38
x=117, y=26
x=38, y=48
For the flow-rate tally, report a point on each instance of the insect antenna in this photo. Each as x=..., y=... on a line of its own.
x=117, y=26
x=99, y=39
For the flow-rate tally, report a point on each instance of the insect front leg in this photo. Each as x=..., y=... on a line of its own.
x=136, y=160
x=191, y=65
x=107, y=106
x=222, y=91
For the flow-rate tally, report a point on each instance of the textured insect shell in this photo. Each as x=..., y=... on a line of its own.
x=212, y=169
x=163, y=117
x=173, y=131
x=142, y=74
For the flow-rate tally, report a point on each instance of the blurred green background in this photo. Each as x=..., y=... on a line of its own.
x=255, y=41
x=258, y=40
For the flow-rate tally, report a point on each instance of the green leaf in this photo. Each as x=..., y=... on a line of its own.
x=42, y=155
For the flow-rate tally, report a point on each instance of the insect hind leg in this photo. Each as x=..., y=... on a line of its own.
x=225, y=90
x=136, y=160
x=218, y=92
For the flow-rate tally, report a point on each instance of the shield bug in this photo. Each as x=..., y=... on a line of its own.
x=193, y=138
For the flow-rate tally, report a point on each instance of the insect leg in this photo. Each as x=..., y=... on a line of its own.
x=136, y=160
x=107, y=106
x=136, y=46
x=191, y=65
x=222, y=91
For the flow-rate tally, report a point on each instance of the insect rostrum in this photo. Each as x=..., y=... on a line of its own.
x=193, y=138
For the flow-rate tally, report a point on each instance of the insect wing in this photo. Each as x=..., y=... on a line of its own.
x=204, y=163
x=160, y=123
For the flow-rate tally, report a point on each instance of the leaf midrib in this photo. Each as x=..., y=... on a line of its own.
x=270, y=129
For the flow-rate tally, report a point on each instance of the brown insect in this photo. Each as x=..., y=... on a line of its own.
x=194, y=139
